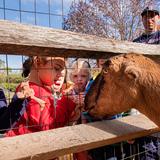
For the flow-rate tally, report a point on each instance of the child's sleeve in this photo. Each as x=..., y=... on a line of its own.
x=64, y=109
x=33, y=113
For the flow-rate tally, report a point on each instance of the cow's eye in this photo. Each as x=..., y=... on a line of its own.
x=105, y=71
x=106, y=66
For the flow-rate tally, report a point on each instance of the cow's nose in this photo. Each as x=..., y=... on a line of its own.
x=85, y=102
x=88, y=107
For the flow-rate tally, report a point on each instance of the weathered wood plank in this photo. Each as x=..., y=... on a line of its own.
x=16, y=38
x=53, y=143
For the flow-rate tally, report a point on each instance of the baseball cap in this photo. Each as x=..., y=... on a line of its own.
x=147, y=10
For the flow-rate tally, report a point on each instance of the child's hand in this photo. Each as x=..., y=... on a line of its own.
x=25, y=91
x=69, y=91
x=79, y=101
x=75, y=114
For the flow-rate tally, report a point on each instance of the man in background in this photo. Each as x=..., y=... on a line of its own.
x=148, y=146
x=151, y=20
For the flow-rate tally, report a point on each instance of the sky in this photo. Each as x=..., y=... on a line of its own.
x=28, y=16
x=41, y=6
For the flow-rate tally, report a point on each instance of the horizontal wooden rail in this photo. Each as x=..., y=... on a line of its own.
x=56, y=142
x=16, y=38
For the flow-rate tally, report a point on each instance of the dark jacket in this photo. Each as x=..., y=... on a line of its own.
x=10, y=114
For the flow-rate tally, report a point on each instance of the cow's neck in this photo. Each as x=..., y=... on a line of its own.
x=152, y=113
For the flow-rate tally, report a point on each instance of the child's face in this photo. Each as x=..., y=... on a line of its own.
x=58, y=84
x=80, y=79
x=50, y=72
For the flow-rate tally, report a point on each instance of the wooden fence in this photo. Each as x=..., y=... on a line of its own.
x=20, y=39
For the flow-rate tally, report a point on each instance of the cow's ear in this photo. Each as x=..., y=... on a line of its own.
x=132, y=72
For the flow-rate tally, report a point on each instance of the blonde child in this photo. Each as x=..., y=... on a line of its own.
x=79, y=75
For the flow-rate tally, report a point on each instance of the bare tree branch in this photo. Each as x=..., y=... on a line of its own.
x=119, y=19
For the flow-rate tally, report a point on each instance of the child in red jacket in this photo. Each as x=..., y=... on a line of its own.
x=39, y=112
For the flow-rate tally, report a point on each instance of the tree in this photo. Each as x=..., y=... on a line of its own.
x=83, y=18
x=2, y=64
x=119, y=19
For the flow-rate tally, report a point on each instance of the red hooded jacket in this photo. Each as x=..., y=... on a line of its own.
x=35, y=119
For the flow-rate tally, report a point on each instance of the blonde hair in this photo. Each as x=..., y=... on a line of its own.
x=78, y=65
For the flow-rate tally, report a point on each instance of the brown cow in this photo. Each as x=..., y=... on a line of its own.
x=126, y=81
